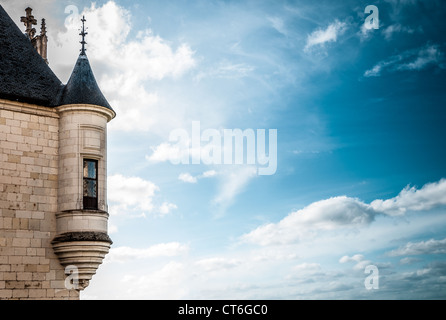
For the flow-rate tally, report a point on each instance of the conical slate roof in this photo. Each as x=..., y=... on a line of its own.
x=24, y=75
x=82, y=87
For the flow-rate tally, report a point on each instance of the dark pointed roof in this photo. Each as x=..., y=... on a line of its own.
x=82, y=87
x=24, y=75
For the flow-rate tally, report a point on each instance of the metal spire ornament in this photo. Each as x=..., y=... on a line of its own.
x=83, y=34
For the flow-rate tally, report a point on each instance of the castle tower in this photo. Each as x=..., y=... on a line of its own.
x=82, y=240
x=53, y=170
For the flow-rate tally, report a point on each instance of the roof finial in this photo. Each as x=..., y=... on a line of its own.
x=29, y=21
x=83, y=34
x=43, y=28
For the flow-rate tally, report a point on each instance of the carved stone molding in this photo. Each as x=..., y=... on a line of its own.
x=82, y=251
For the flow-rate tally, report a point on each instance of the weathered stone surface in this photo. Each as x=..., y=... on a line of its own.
x=28, y=204
x=82, y=236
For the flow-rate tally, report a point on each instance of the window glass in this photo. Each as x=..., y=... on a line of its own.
x=90, y=169
x=90, y=187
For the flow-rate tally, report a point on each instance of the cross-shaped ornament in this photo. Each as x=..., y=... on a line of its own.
x=29, y=21
x=83, y=34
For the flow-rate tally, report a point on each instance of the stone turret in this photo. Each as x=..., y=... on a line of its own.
x=82, y=239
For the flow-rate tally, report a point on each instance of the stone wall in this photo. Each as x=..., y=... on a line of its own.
x=29, y=142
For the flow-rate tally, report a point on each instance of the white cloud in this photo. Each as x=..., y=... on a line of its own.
x=178, y=152
x=134, y=194
x=354, y=258
x=187, y=177
x=171, y=249
x=344, y=213
x=125, y=67
x=209, y=174
x=167, y=152
x=426, y=56
x=396, y=28
x=148, y=56
x=375, y=71
x=358, y=259
x=431, y=246
x=412, y=60
x=333, y=213
x=429, y=196
x=166, y=208
x=305, y=270
x=323, y=36
x=131, y=192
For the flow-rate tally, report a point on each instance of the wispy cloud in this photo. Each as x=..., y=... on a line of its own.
x=411, y=60
x=358, y=259
x=278, y=24
x=179, y=152
x=233, y=180
x=322, y=36
x=431, y=246
x=398, y=28
x=187, y=177
x=226, y=70
x=169, y=152
x=426, y=56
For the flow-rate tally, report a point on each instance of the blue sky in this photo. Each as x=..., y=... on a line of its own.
x=360, y=116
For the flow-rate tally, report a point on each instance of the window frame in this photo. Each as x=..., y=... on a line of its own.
x=90, y=203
